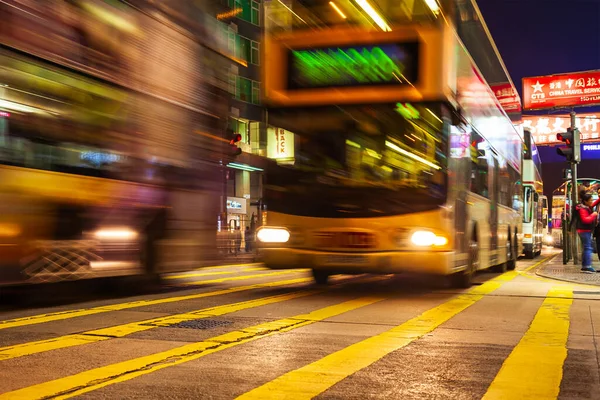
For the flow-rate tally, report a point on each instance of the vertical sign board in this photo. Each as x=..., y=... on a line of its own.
x=280, y=144
x=565, y=90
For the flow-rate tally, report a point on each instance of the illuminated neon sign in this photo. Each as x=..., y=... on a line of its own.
x=353, y=66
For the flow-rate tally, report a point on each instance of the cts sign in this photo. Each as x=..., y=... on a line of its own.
x=565, y=90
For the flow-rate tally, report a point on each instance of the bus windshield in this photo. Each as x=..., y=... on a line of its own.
x=360, y=161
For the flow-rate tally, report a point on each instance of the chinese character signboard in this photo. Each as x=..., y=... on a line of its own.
x=544, y=128
x=508, y=97
x=280, y=144
x=566, y=90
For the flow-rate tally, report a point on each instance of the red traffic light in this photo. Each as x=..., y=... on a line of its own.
x=564, y=138
x=236, y=138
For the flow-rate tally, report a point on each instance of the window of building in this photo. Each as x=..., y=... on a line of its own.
x=250, y=10
x=244, y=89
x=255, y=53
x=255, y=16
x=255, y=92
x=244, y=47
x=232, y=85
x=241, y=127
x=232, y=39
x=255, y=137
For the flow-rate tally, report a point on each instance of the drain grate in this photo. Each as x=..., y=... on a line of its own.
x=200, y=324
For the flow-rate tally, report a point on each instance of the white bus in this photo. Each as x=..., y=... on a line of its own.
x=533, y=188
x=404, y=159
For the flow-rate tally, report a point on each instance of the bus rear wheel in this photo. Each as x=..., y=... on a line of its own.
x=320, y=277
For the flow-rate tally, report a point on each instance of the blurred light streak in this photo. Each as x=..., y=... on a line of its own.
x=411, y=155
x=336, y=8
x=244, y=167
x=19, y=107
x=296, y=15
x=433, y=6
x=368, y=8
x=229, y=14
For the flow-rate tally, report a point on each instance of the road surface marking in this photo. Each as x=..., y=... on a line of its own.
x=240, y=278
x=62, y=315
x=250, y=264
x=313, y=379
x=118, y=331
x=198, y=274
x=537, y=264
x=534, y=368
x=97, y=378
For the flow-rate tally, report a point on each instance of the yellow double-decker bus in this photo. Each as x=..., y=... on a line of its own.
x=404, y=160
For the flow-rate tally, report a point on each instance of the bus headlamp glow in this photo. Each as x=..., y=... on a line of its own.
x=427, y=238
x=273, y=235
x=115, y=234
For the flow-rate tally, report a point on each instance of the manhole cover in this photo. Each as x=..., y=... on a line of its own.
x=199, y=324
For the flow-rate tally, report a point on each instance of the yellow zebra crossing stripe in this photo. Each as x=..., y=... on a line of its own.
x=240, y=278
x=62, y=315
x=118, y=331
x=199, y=274
x=534, y=368
x=97, y=378
x=313, y=379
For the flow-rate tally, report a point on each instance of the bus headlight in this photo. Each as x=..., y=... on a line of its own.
x=427, y=238
x=115, y=234
x=273, y=235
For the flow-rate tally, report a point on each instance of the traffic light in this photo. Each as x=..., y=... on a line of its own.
x=235, y=138
x=572, y=152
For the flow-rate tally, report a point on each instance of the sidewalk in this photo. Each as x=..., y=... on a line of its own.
x=555, y=269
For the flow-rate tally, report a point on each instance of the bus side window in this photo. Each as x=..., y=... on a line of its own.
x=479, y=166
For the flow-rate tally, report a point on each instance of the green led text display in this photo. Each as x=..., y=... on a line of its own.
x=353, y=66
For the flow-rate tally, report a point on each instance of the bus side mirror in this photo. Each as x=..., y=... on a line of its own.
x=536, y=197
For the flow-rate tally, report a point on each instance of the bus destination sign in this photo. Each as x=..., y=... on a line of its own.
x=368, y=65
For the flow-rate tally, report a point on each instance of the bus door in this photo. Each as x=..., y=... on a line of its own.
x=494, y=193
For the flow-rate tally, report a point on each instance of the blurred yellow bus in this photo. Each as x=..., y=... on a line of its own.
x=102, y=172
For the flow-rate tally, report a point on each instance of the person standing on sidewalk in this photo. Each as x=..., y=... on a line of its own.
x=586, y=221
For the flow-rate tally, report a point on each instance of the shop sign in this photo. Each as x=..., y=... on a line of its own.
x=236, y=205
x=565, y=90
x=544, y=128
x=280, y=144
x=507, y=97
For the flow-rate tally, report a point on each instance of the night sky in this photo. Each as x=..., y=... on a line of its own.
x=544, y=37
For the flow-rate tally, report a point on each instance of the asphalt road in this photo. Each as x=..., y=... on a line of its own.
x=246, y=332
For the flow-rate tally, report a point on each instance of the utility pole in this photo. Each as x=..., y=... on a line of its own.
x=572, y=153
x=574, y=189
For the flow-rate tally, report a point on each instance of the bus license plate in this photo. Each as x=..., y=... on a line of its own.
x=345, y=260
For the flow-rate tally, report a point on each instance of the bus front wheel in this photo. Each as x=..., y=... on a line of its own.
x=464, y=279
x=321, y=277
